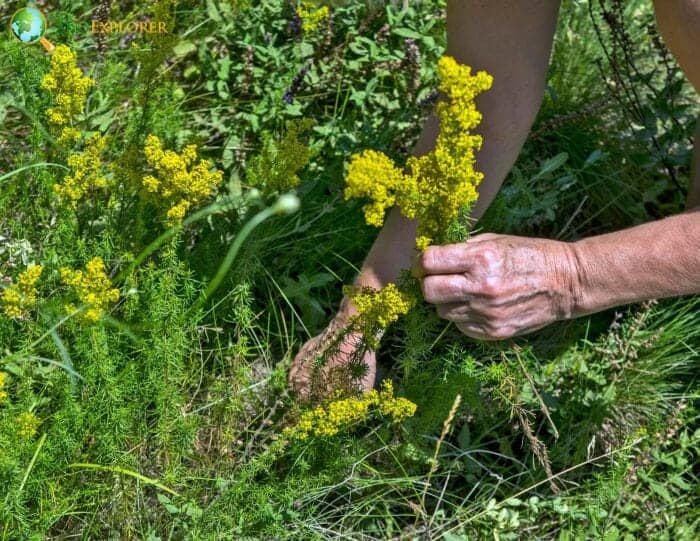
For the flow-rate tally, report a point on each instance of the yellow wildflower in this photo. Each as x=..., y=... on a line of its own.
x=68, y=88
x=439, y=185
x=27, y=424
x=179, y=181
x=373, y=175
x=311, y=16
x=92, y=287
x=69, y=136
x=19, y=297
x=378, y=309
x=3, y=382
x=86, y=173
x=341, y=414
x=398, y=408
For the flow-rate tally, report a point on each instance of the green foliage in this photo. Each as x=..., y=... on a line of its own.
x=275, y=168
x=163, y=419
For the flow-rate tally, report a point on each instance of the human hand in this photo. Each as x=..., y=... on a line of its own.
x=499, y=286
x=301, y=374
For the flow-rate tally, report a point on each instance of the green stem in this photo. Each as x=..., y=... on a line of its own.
x=31, y=166
x=245, y=231
x=31, y=463
x=123, y=471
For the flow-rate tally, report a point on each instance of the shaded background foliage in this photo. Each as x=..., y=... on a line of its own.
x=197, y=402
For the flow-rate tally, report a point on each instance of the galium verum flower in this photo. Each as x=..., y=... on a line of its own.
x=3, y=382
x=311, y=16
x=377, y=309
x=86, y=172
x=342, y=414
x=27, y=424
x=178, y=181
x=437, y=187
x=21, y=296
x=92, y=287
x=68, y=88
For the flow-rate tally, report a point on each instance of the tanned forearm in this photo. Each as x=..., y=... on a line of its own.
x=654, y=260
x=650, y=261
x=394, y=247
x=694, y=181
x=515, y=50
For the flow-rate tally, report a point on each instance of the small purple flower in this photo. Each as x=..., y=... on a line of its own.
x=382, y=34
x=297, y=83
x=295, y=24
x=429, y=100
x=412, y=54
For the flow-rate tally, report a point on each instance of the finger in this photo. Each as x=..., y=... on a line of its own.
x=447, y=288
x=451, y=258
x=484, y=331
x=447, y=259
x=459, y=312
x=474, y=330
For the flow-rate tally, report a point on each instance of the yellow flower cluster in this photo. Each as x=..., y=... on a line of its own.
x=311, y=16
x=86, y=173
x=21, y=296
x=341, y=414
x=92, y=287
x=68, y=88
x=27, y=424
x=439, y=185
x=373, y=175
x=378, y=309
x=179, y=180
x=3, y=382
x=395, y=407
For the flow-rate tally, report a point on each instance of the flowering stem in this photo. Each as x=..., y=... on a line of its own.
x=31, y=166
x=166, y=235
x=283, y=204
x=31, y=464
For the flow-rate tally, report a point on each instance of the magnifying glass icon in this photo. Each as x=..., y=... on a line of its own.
x=28, y=25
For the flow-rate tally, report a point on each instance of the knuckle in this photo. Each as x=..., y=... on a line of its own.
x=495, y=314
x=489, y=254
x=426, y=286
x=457, y=289
x=427, y=259
x=491, y=287
x=501, y=332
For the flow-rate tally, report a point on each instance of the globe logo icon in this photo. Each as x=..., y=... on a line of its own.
x=28, y=25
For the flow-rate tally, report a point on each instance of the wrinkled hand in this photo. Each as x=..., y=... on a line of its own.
x=499, y=286
x=300, y=374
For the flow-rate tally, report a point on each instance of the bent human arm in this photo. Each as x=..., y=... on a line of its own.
x=499, y=286
x=515, y=50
